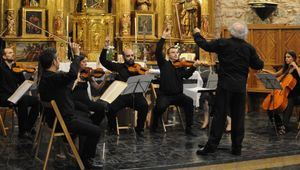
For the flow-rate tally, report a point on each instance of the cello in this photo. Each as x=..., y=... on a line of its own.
x=278, y=99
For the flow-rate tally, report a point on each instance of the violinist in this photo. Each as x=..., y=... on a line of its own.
x=289, y=67
x=171, y=85
x=27, y=106
x=55, y=85
x=124, y=72
x=81, y=96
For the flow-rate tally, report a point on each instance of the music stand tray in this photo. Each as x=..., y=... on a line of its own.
x=138, y=84
x=269, y=81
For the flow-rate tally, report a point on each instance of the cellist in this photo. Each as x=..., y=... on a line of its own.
x=289, y=67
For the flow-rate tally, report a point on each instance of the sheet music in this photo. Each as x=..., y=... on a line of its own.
x=113, y=91
x=269, y=81
x=212, y=81
x=14, y=98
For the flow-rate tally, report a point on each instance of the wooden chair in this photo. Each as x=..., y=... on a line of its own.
x=41, y=124
x=59, y=119
x=4, y=112
x=164, y=122
x=131, y=123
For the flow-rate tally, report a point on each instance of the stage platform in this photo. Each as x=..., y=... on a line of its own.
x=262, y=149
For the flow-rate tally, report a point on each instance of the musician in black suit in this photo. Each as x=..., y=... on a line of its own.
x=55, y=85
x=235, y=56
x=138, y=99
x=171, y=85
x=27, y=106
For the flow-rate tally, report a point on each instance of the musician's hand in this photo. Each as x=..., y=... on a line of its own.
x=197, y=63
x=107, y=42
x=75, y=48
x=196, y=30
x=293, y=64
x=167, y=33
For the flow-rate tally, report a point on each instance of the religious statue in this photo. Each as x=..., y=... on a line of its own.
x=80, y=37
x=26, y=3
x=58, y=25
x=143, y=5
x=34, y=3
x=125, y=24
x=11, y=30
x=189, y=16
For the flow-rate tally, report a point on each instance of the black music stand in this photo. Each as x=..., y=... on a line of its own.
x=137, y=84
x=270, y=82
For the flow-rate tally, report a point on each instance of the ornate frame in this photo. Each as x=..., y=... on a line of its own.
x=36, y=16
x=147, y=20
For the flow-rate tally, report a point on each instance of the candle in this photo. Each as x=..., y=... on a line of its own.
x=135, y=30
x=67, y=26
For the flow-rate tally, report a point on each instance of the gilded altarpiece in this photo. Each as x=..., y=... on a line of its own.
x=88, y=22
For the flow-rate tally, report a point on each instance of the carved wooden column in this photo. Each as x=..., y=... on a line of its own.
x=168, y=13
x=59, y=18
x=204, y=18
x=11, y=20
x=125, y=22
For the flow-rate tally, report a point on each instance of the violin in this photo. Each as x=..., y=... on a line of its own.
x=20, y=69
x=88, y=72
x=137, y=68
x=187, y=63
x=183, y=63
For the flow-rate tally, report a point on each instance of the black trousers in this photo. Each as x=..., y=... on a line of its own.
x=82, y=125
x=235, y=102
x=99, y=109
x=137, y=100
x=164, y=101
x=286, y=115
x=27, y=112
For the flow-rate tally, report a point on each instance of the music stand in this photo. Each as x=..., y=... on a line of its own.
x=270, y=82
x=137, y=84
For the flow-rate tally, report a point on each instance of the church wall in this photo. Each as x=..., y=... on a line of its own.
x=228, y=11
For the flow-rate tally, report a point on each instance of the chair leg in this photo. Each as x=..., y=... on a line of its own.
x=117, y=124
x=38, y=142
x=74, y=149
x=163, y=124
x=179, y=115
x=37, y=138
x=50, y=145
x=2, y=126
x=132, y=121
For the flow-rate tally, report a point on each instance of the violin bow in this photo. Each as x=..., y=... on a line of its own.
x=3, y=32
x=55, y=36
x=144, y=41
x=178, y=21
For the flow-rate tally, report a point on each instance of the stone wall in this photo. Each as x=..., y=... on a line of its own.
x=228, y=11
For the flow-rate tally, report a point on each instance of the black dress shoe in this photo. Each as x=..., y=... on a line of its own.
x=153, y=131
x=189, y=132
x=92, y=164
x=25, y=135
x=236, y=152
x=139, y=133
x=205, y=150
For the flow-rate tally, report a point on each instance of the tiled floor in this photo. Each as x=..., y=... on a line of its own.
x=170, y=150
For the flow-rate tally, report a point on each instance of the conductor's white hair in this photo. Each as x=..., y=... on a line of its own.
x=239, y=30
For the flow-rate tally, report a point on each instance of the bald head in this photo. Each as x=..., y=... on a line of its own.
x=128, y=55
x=238, y=30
